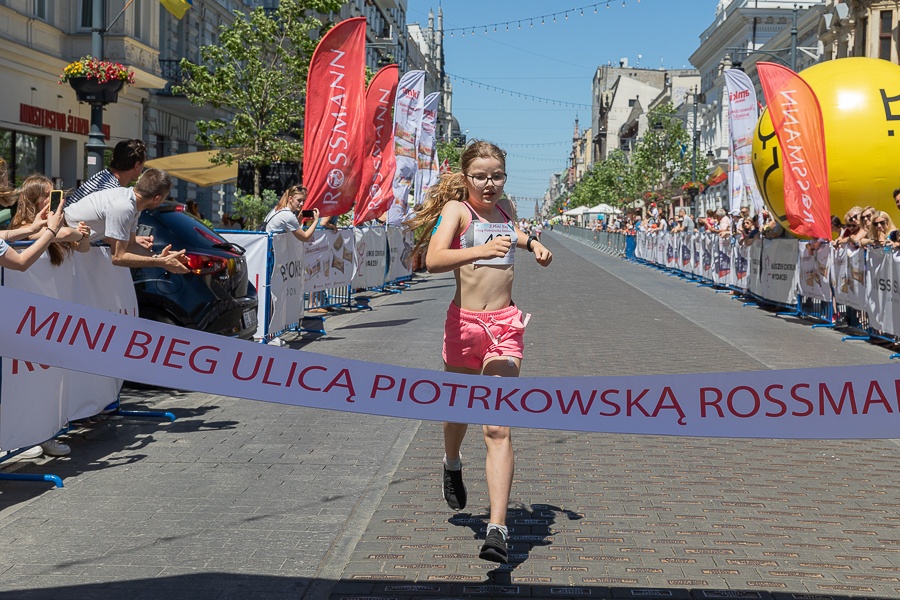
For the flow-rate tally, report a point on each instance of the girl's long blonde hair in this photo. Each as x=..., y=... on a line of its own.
x=451, y=186
x=30, y=194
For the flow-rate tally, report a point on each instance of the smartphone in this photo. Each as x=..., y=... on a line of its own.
x=143, y=230
x=307, y=214
x=56, y=197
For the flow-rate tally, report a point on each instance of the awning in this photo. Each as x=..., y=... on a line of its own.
x=196, y=168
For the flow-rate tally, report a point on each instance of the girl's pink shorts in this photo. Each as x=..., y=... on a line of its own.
x=470, y=337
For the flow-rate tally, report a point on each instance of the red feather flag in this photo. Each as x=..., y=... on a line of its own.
x=334, y=137
x=379, y=162
x=797, y=119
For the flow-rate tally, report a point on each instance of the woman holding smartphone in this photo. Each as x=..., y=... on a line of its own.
x=37, y=195
x=283, y=218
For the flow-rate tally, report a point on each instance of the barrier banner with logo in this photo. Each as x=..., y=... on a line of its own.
x=710, y=245
x=334, y=135
x=849, y=274
x=861, y=402
x=286, y=282
x=256, y=245
x=813, y=278
x=376, y=190
x=722, y=261
x=754, y=285
x=37, y=400
x=370, y=257
x=883, y=290
x=779, y=271
x=407, y=116
x=696, y=253
x=400, y=245
x=329, y=260
x=741, y=271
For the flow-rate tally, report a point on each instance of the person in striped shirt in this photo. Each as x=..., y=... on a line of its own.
x=126, y=166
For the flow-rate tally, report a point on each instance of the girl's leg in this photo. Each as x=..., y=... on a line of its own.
x=455, y=432
x=453, y=488
x=500, y=462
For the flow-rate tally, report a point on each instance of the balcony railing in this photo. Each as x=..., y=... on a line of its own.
x=171, y=72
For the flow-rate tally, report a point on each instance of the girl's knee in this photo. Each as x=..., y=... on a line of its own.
x=496, y=433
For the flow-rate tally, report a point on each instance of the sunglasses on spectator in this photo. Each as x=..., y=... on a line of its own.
x=852, y=218
x=879, y=223
x=866, y=217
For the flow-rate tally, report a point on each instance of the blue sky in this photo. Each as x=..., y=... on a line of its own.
x=553, y=61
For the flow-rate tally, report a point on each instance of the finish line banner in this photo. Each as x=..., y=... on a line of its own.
x=824, y=403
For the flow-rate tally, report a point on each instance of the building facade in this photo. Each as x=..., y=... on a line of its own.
x=44, y=129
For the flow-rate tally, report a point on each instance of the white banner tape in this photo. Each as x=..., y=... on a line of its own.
x=850, y=402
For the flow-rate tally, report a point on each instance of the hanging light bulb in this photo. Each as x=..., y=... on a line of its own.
x=582, y=12
x=554, y=18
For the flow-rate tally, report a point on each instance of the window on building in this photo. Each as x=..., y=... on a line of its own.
x=87, y=13
x=23, y=153
x=863, y=37
x=137, y=13
x=40, y=9
x=885, y=34
x=631, y=103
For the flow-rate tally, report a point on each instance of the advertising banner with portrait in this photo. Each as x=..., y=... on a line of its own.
x=400, y=245
x=883, y=290
x=329, y=260
x=369, y=257
x=256, y=245
x=286, y=282
x=813, y=278
x=849, y=276
x=779, y=271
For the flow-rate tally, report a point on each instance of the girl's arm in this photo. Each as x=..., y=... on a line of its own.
x=541, y=254
x=440, y=258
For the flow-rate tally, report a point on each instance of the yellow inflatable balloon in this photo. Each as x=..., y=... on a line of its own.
x=860, y=101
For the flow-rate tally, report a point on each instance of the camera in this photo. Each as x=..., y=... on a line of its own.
x=56, y=197
x=307, y=214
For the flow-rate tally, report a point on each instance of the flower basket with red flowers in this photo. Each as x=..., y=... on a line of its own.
x=693, y=187
x=96, y=80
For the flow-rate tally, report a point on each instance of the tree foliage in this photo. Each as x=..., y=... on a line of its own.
x=255, y=76
x=660, y=163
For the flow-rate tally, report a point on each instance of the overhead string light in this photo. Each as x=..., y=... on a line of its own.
x=529, y=20
x=493, y=88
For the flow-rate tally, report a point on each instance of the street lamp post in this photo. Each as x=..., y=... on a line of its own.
x=695, y=139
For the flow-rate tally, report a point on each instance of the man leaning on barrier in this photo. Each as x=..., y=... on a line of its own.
x=112, y=215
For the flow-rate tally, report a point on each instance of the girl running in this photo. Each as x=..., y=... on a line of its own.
x=472, y=231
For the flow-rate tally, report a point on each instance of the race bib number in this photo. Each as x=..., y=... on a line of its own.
x=485, y=232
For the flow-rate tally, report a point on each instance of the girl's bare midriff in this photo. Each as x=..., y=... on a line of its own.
x=488, y=287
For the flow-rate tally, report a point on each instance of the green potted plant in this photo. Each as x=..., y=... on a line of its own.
x=95, y=80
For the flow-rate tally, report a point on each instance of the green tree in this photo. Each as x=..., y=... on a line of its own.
x=661, y=160
x=256, y=75
x=449, y=152
x=611, y=181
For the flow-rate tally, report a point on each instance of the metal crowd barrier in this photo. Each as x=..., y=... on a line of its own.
x=852, y=321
